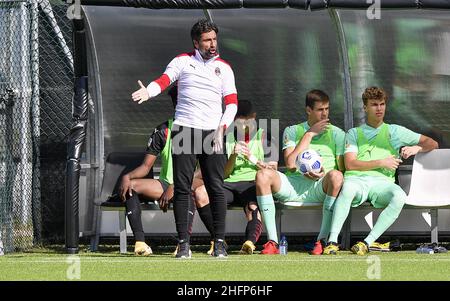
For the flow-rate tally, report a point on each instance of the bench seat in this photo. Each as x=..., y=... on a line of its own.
x=429, y=189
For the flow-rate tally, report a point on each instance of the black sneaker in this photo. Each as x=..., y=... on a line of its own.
x=309, y=246
x=395, y=246
x=220, y=249
x=183, y=250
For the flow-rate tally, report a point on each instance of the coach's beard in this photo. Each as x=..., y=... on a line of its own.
x=208, y=54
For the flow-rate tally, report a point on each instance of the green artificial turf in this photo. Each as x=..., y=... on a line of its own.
x=50, y=264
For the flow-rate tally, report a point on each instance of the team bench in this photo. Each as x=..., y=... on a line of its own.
x=429, y=189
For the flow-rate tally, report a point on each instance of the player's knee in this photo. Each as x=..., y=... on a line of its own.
x=199, y=203
x=336, y=178
x=263, y=177
x=201, y=197
x=398, y=199
x=137, y=187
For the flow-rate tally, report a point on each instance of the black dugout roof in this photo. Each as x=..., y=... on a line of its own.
x=300, y=4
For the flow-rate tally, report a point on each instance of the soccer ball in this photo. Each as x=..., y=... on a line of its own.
x=309, y=160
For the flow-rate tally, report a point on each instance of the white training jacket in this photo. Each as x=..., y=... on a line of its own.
x=202, y=86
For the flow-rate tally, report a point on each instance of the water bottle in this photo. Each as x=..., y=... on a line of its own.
x=283, y=246
x=424, y=249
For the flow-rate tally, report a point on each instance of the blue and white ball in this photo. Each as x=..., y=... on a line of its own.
x=309, y=160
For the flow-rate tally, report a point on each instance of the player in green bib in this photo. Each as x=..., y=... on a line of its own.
x=371, y=157
x=244, y=144
x=328, y=140
x=135, y=186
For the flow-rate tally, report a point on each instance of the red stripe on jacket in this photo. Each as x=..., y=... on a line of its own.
x=230, y=99
x=163, y=81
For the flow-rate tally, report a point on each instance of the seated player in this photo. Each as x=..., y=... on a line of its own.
x=245, y=151
x=328, y=140
x=371, y=158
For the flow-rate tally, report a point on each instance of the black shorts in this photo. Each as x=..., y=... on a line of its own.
x=240, y=193
x=164, y=184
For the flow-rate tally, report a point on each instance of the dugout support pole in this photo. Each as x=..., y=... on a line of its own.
x=77, y=134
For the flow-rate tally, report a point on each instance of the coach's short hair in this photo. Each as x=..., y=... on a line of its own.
x=202, y=26
x=374, y=93
x=314, y=96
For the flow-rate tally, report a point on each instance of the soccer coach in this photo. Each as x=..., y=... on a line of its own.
x=204, y=81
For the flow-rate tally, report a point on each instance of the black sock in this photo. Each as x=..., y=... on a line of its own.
x=207, y=218
x=133, y=212
x=191, y=213
x=254, y=228
x=219, y=212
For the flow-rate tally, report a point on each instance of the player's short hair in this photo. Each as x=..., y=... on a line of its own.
x=314, y=96
x=374, y=93
x=202, y=26
x=245, y=108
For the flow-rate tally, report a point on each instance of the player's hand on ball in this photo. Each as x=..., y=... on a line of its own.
x=140, y=95
x=315, y=176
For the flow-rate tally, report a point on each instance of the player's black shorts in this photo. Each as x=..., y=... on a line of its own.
x=164, y=184
x=240, y=193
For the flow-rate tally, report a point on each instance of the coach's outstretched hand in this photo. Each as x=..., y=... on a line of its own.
x=140, y=95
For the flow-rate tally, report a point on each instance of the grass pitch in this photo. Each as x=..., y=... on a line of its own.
x=51, y=264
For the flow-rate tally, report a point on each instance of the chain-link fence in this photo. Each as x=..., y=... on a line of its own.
x=18, y=121
x=35, y=115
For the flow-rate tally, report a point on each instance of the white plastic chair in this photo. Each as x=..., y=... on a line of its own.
x=430, y=186
x=430, y=179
